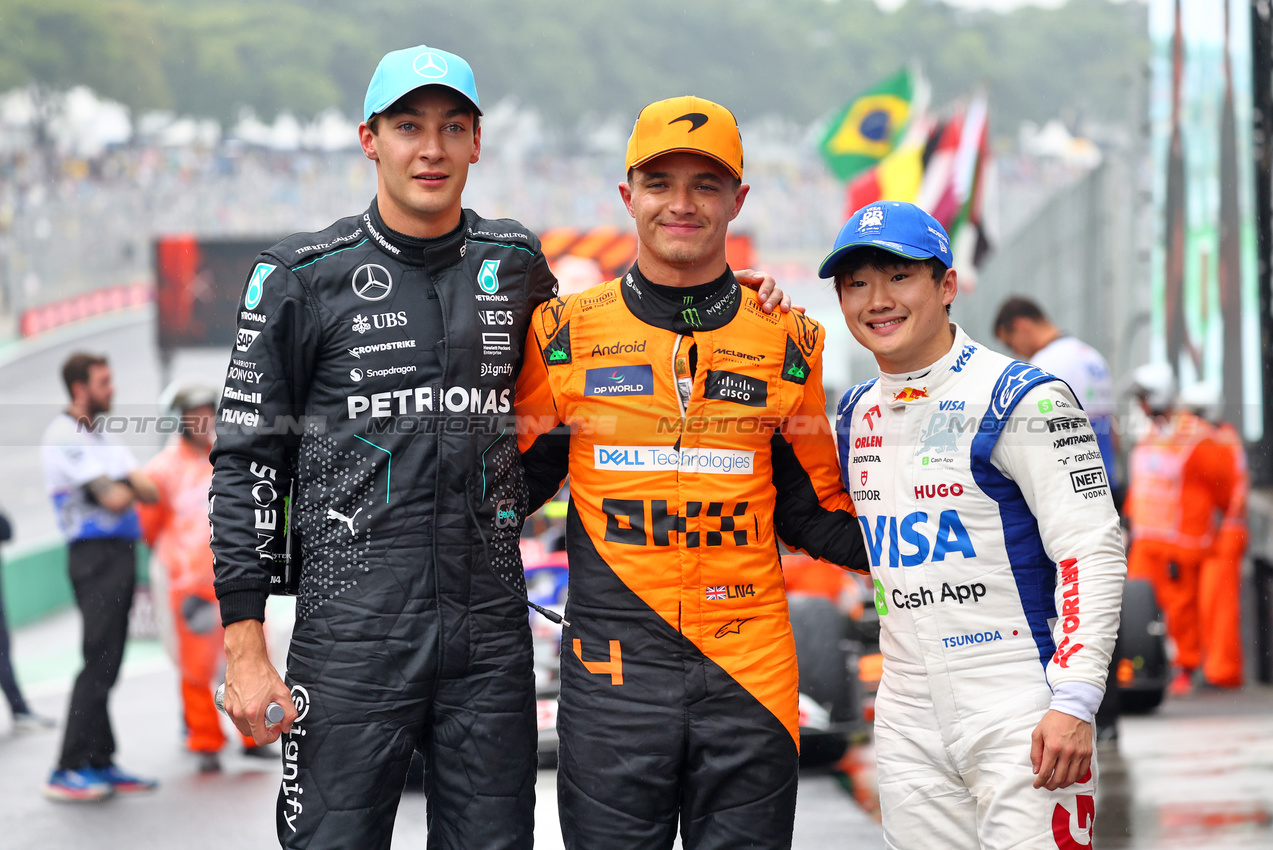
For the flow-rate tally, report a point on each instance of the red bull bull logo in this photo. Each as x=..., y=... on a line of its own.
x=911, y=394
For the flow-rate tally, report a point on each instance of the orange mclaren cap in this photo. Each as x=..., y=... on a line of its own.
x=689, y=125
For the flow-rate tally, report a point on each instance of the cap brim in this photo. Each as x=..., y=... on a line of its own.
x=827, y=267
x=643, y=160
x=458, y=91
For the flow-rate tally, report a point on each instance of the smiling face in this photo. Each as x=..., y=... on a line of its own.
x=423, y=146
x=683, y=204
x=898, y=312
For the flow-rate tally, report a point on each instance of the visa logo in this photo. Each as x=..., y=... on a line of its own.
x=950, y=405
x=964, y=356
x=909, y=531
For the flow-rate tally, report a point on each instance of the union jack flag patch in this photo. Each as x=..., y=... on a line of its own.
x=717, y=591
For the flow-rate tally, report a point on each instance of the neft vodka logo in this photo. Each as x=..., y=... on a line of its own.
x=292, y=789
x=622, y=380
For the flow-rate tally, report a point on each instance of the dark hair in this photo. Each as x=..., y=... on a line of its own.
x=374, y=121
x=77, y=366
x=1017, y=307
x=871, y=257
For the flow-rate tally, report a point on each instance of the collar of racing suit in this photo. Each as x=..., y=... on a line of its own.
x=436, y=253
x=683, y=310
x=928, y=382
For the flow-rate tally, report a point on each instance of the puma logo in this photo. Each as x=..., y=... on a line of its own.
x=332, y=513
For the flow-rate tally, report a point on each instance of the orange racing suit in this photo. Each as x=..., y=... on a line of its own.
x=177, y=530
x=1181, y=481
x=697, y=436
x=1220, y=581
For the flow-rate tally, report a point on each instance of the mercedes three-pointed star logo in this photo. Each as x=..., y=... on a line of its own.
x=430, y=65
x=372, y=282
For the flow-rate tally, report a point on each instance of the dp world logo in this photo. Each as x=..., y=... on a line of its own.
x=300, y=699
x=256, y=285
x=488, y=276
x=430, y=65
x=372, y=282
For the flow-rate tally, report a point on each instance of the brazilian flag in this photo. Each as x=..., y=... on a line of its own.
x=867, y=128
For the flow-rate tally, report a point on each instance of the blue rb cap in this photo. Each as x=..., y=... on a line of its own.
x=897, y=227
x=403, y=71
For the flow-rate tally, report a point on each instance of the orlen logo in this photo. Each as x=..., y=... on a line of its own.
x=868, y=442
x=1069, y=612
x=911, y=542
x=292, y=789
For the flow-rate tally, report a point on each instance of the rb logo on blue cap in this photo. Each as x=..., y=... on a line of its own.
x=895, y=226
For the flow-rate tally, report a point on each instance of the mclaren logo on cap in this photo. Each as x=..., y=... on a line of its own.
x=696, y=119
x=430, y=65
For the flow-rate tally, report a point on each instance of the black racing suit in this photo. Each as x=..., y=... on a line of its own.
x=377, y=370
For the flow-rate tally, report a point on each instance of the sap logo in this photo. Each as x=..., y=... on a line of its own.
x=243, y=341
x=868, y=443
x=964, y=356
x=938, y=491
x=950, y=405
x=951, y=537
x=495, y=317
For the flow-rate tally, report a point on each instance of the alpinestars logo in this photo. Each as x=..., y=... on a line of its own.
x=361, y=325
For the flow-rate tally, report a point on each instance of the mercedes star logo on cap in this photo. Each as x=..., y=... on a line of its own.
x=430, y=65
x=372, y=282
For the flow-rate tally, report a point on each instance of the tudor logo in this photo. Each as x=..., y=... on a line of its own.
x=696, y=119
x=430, y=65
x=372, y=282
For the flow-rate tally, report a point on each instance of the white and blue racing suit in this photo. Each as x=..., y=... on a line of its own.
x=998, y=569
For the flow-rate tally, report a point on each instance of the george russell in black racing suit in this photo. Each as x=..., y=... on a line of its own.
x=378, y=371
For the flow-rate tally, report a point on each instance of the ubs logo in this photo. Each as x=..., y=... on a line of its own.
x=372, y=282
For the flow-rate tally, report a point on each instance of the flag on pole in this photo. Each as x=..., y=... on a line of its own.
x=868, y=128
x=897, y=177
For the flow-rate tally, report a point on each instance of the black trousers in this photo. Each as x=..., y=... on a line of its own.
x=103, y=574
x=8, y=683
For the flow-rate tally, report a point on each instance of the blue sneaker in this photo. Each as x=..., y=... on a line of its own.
x=77, y=786
x=121, y=782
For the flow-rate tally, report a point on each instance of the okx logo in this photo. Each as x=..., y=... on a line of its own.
x=488, y=276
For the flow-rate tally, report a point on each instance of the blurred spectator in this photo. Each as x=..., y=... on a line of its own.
x=1220, y=580
x=24, y=719
x=176, y=528
x=1024, y=328
x=93, y=482
x=1182, y=480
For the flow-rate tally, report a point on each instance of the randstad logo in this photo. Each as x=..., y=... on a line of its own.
x=911, y=540
x=627, y=380
x=488, y=276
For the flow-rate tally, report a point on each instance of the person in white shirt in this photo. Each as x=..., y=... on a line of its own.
x=94, y=482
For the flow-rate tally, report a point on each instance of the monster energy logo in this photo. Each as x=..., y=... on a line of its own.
x=692, y=317
x=687, y=299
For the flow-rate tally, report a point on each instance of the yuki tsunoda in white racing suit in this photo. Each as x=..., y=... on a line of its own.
x=998, y=568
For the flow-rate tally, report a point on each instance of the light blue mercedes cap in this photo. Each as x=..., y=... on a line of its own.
x=900, y=228
x=404, y=71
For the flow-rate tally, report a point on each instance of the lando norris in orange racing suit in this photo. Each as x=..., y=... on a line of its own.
x=698, y=434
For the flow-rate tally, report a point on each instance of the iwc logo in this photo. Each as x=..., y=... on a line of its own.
x=372, y=282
